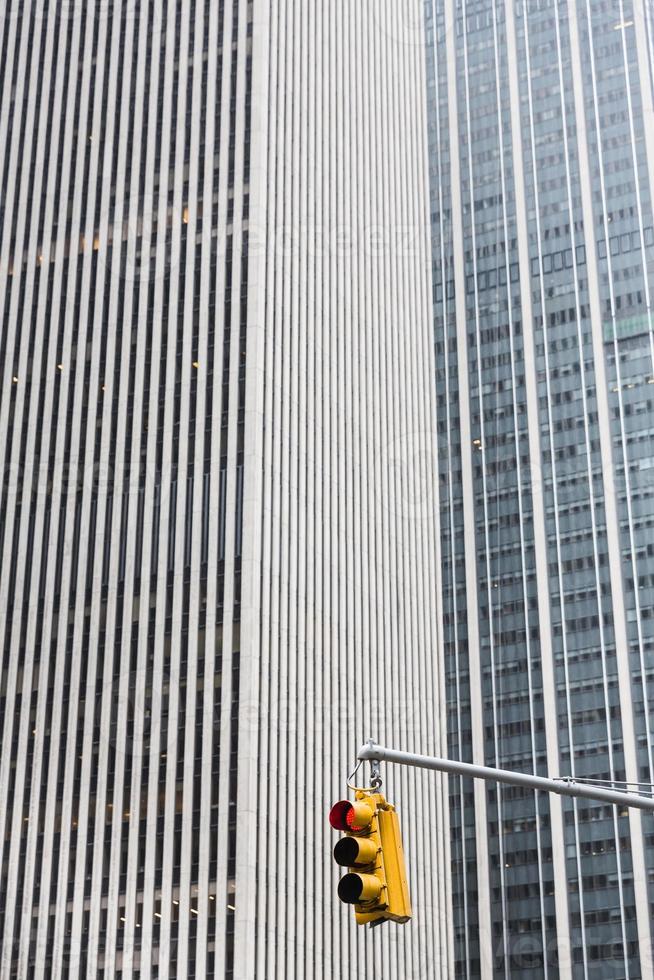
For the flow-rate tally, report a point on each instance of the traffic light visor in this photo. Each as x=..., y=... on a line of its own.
x=338, y=815
x=350, y=817
x=355, y=852
x=353, y=889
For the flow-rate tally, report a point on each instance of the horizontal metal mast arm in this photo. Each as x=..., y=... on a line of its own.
x=564, y=787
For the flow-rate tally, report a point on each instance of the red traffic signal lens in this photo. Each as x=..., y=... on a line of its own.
x=339, y=813
x=350, y=817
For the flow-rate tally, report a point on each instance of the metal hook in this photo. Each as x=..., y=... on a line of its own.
x=375, y=771
x=375, y=775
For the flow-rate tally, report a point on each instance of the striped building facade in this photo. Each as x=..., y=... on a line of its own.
x=542, y=161
x=217, y=538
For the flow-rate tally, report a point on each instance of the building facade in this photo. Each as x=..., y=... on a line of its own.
x=217, y=553
x=542, y=164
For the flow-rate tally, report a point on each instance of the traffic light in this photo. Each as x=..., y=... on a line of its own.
x=376, y=882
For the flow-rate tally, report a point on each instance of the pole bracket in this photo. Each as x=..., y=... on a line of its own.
x=376, y=781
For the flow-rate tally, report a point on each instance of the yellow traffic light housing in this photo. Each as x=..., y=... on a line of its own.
x=376, y=883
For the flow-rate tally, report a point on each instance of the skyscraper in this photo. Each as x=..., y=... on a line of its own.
x=542, y=156
x=217, y=554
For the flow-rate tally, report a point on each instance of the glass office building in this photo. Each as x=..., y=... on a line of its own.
x=542, y=168
x=216, y=563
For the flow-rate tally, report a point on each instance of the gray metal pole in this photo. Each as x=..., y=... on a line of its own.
x=563, y=786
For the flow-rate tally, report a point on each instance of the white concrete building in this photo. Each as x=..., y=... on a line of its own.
x=217, y=519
